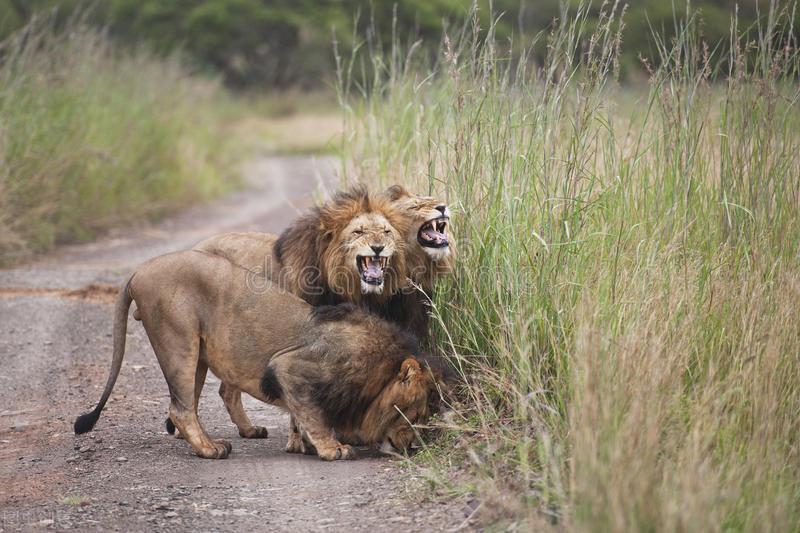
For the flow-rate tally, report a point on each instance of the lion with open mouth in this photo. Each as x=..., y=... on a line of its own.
x=430, y=253
x=347, y=250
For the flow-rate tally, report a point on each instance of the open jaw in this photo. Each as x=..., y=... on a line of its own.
x=433, y=233
x=371, y=269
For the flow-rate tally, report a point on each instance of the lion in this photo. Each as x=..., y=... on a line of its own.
x=347, y=376
x=431, y=254
x=350, y=249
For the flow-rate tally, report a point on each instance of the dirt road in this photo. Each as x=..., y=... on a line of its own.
x=128, y=474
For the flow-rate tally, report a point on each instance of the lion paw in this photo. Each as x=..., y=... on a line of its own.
x=219, y=449
x=341, y=452
x=308, y=448
x=297, y=444
x=254, y=432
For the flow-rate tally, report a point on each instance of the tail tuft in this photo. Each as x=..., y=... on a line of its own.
x=85, y=422
x=170, y=426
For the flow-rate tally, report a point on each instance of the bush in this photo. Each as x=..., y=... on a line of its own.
x=624, y=309
x=91, y=137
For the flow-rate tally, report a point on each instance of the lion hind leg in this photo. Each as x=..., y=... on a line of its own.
x=232, y=398
x=199, y=382
x=177, y=348
x=187, y=422
x=183, y=414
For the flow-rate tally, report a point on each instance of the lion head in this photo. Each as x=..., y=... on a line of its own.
x=384, y=384
x=405, y=400
x=345, y=249
x=430, y=248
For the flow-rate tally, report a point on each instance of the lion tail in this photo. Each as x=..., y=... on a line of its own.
x=86, y=422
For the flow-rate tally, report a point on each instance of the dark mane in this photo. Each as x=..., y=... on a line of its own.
x=350, y=312
x=303, y=232
x=333, y=313
x=345, y=396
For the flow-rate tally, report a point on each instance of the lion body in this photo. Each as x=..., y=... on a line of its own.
x=337, y=370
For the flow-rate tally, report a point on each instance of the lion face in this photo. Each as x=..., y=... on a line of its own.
x=402, y=403
x=367, y=244
x=344, y=250
x=429, y=221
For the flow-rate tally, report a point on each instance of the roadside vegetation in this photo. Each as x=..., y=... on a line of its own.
x=624, y=313
x=287, y=44
x=92, y=136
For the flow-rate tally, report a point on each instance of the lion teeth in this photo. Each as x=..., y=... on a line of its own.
x=366, y=262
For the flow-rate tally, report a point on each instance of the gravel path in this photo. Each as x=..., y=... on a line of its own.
x=128, y=474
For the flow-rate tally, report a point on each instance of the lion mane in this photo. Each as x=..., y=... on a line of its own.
x=312, y=257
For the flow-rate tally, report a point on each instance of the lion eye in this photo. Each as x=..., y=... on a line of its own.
x=358, y=232
x=387, y=231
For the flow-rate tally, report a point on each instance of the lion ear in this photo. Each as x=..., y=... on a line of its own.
x=395, y=192
x=325, y=232
x=408, y=370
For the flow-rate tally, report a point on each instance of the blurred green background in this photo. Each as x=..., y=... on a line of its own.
x=257, y=44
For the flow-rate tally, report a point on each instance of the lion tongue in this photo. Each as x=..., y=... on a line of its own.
x=373, y=270
x=434, y=236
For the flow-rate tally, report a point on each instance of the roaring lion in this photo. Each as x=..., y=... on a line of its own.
x=430, y=254
x=347, y=376
x=349, y=249
x=304, y=257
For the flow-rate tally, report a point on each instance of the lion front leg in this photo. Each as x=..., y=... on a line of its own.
x=298, y=442
x=321, y=436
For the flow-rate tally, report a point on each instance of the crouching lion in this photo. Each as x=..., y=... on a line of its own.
x=345, y=375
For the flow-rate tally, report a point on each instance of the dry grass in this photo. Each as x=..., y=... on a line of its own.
x=624, y=312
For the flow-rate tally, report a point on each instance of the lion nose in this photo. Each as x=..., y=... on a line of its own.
x=441, y=208
x=377, y=248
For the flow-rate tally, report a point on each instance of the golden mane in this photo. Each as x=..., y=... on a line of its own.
x=312, y=257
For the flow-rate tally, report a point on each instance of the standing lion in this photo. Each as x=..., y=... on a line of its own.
x=346, y=375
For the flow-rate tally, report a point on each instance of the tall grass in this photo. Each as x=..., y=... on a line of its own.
x=624, y=311
x=92, y=137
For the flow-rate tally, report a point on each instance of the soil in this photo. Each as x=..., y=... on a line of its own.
x=129, y=474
